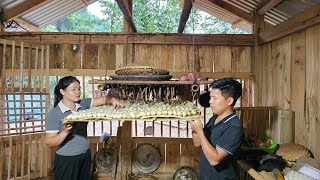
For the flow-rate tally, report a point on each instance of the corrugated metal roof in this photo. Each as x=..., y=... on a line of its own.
x=54, y=10
x=8, y=4
x=51, y=12
x=220, y=13
x=283, y=11
x=45, y=14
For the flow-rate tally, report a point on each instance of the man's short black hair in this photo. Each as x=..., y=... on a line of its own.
x=229, y=87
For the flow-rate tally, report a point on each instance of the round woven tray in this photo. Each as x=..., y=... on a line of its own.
x=141, y=77
x=293, y=152
x=141, y=70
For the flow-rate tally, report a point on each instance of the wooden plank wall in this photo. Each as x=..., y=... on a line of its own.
x=287, y=75
x=267, y=122
x=104, y=59
x=175, y=58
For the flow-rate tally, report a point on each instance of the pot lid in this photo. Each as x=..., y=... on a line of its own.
x=185, y=173
x=146, y=158
x=104, y=159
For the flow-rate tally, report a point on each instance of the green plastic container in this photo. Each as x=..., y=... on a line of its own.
x=269, y=149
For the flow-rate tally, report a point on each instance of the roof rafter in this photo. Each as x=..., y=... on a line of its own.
x=23, y=8
x=269, y=5
x=187, y=6
x=238, y=24
x=84, y=3
x=27, y=25
x=234, y=10
x=126, y=14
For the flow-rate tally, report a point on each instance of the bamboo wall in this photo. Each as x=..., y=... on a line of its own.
x=287, y=75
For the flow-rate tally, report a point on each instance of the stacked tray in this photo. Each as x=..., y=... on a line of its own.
x=141, y=73
x=141, y=70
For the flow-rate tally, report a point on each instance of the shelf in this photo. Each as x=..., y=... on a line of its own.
x=172, y=82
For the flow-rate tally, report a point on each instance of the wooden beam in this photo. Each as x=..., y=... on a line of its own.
x=126, y=27
x=187, y=6
x=84, y=3
x=126, y=14
x=27, y=25
x=269, y=5
x=141, y=38
x=103, y=72
x=238, y=24
x=300, y=22
x=234, y=10
x=23, y=8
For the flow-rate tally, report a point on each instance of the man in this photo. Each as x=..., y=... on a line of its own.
x=221, y=137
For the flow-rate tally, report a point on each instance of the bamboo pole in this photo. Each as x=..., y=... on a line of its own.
x=12, y=65
x=29, y=155
x=16, y=157
x=2, y=156
x=22, y=155
x=29, y=67
x=41, y=68
x=10, y=157
x=4, y=54
x=21, y=66
x=36, y=69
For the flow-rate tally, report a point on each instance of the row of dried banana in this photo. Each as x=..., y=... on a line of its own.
x=137, y=111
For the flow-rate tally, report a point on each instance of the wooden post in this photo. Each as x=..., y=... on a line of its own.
x=255, y=58
x=2, y=156
x=126, y=27
x=126, y=149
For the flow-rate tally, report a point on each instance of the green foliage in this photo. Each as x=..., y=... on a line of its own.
x=80, y=21
x=149, y=16
x=113, y=17
x=49, y=28
x=156, y=16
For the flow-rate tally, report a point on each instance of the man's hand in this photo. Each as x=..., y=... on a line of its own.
x=196, y=139
x=196, y=125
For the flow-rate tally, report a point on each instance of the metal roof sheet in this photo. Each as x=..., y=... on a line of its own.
x=54, y=10
x=281, y=12
x=46, y=13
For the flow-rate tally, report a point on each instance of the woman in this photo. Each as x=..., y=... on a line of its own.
x=72, y=159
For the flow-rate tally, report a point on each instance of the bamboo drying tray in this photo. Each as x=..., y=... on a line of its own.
x=151, y=118
x=137, y=111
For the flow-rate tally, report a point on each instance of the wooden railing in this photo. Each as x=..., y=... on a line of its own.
x=24, y=156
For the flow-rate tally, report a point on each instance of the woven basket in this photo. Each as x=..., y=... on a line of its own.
x=141, y=77
x=293, y=152
x=141, y=70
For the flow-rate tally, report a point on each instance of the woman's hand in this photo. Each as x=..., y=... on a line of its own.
x=67, y=127
x=116, y=104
